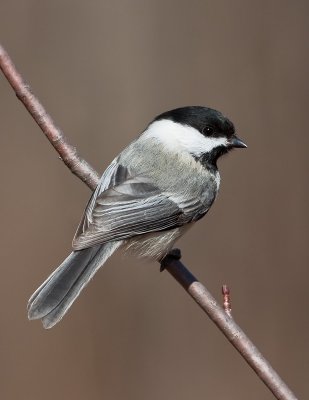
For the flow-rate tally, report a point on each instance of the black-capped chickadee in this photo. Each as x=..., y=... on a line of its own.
x=149, y=196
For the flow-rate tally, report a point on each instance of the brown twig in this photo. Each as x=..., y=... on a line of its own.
x=227, y=304
x=195, y=289
x=67, y=153
x=231, y=330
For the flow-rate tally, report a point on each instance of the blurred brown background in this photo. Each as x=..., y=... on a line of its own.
x=104, y=69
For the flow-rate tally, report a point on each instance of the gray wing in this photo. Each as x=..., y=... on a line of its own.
x=124, y=206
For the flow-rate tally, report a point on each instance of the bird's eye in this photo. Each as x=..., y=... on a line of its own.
x=208, y=130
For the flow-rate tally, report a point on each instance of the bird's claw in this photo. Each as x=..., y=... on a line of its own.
x=174, y=254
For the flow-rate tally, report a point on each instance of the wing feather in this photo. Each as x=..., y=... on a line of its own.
x=123, y=206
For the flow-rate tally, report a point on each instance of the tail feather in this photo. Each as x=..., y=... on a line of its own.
x=56, y=286
x=54, y=297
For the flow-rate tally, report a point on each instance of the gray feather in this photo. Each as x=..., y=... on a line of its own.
x=132, y=208
x=54, y=297
x=133, y=205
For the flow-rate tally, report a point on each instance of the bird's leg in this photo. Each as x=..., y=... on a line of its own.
x=174, y=254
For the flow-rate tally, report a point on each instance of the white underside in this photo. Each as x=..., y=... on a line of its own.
x=157, y=244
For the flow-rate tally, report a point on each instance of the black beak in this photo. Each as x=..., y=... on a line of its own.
x=236, y=142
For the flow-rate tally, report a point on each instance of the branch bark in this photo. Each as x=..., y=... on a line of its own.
x=194, y=288
x=67, y=152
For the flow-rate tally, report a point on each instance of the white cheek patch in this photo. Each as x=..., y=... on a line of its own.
x=208, y=144
x=180, y=137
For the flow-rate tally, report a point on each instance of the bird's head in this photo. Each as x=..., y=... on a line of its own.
x=203, y=132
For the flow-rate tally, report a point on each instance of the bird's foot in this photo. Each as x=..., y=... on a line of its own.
x=174, y=254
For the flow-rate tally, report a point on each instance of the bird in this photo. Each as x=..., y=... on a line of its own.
x=148, y=197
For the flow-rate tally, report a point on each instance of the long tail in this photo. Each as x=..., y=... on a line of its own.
x=55, y=296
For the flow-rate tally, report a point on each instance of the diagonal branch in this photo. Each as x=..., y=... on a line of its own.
x=67, y=152
x=194, y=288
